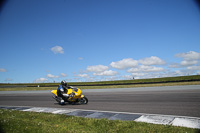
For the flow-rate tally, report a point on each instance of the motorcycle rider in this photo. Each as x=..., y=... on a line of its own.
x=62, y=91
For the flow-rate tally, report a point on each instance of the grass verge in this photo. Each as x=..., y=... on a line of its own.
x=102, y=87
x=115, y=82
x=18, y=121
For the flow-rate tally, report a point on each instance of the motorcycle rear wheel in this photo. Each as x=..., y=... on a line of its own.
x=83, y=100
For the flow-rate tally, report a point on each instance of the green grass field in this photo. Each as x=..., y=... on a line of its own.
x=119, y=82
x=168, y=81
x=19, y=122
x=101, y=87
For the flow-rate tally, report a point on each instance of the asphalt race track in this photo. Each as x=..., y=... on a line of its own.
x=172, y=100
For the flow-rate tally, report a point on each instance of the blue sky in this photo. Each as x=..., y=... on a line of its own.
x=95, y=40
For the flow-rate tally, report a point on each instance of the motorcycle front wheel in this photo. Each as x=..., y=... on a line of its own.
x=83, y=100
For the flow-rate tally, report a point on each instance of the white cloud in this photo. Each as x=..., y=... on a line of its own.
x=185, y=72
x=80, y=58
x=133, y=75
x=145, y=75
x=83, y=75
x=109, y=78
x=68, y=79
x=8, y=79
x=57, y=49
x=174, y=65
x=125, y=63
x=188, y=62
x=52, y=76
x=184, y=63
x=191, y=55
x=189, y=58
x=2, y=70
x=153, y=60
x=127, y=77
x=97, y=68
x=144, y=68
x=194, y=68
x=138, y=74
x=133, y=70
x=40, y=80
x=63, y=74
x=106, y=73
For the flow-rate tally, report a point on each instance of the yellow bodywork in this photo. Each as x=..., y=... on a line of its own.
x=70, y=91
x=54, y=92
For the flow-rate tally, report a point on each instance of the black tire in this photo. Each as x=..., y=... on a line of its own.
x=72, y=103
x=56, y=98
x=83, y=100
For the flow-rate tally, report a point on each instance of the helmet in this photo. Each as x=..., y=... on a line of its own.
x=63, y=83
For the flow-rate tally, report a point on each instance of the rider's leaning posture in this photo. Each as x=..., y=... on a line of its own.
x=62, y=91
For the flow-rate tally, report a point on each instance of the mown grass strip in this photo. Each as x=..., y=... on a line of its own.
x=169, y=81
x=101, y=87
x=116, y=82
x=19, y=122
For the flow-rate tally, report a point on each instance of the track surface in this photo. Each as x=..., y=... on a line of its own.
x=181, y=100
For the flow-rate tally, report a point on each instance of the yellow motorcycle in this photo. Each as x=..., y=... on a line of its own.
x=75, y=96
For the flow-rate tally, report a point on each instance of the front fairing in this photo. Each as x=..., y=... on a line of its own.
x=54, y=92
